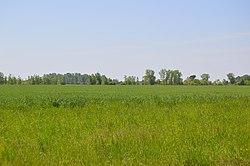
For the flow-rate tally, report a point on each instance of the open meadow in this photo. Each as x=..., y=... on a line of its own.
x=124, y=125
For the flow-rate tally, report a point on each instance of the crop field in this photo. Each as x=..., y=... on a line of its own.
x=124, y=125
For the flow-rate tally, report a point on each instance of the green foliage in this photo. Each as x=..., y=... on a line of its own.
x=170, y=77
x=130, y=80
x=149, y=78
x=167, y=77
x=205, y=79
x=124, y=125
x=98, y=78
x=192, y=81
x=231, y=78
x=243, y=80
x=1, y=78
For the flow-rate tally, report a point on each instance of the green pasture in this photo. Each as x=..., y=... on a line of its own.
x=124, y=125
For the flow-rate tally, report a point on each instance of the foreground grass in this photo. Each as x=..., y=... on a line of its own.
x=124, y=125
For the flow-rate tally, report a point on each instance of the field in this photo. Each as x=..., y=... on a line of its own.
x=124, y=125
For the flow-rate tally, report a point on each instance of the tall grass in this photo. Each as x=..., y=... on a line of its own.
x=124, y=125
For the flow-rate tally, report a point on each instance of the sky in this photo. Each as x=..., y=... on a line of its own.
x=125, y=37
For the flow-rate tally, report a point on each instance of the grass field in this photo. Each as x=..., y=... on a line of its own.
x=124, y=125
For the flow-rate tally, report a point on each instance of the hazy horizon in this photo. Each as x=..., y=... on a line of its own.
x=119, y=38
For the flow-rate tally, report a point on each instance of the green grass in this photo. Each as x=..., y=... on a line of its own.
x=124, y=125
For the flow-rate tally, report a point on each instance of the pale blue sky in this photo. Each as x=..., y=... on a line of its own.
x=125, y=37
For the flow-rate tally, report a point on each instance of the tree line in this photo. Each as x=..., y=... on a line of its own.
x=166, y=77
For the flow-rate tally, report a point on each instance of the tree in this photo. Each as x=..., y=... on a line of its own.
x=163, y=73
x=104, y=80
x=125, y=79
x=14, y=80
x=10, y=80
x=204, y=79
x=149, y=78
x=113, y=81
x=130, y=80
x=158, y=82
x=1, y=78
x=46, y=80
x=224, y=82
x=231, y=78
x=60, y=80
x=19, y=80
x=192, y=77
x=98, y=78
x=5, y=80
x=137, y=81
x=217, y=82
x=171, y=77
x=92, y=79
x=192, y=81
x=78, y=78
x=177, y=80
x=242, y=80
x=86, y=79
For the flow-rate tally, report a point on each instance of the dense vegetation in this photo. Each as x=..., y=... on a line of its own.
x=166, y=77
x=124, y=125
